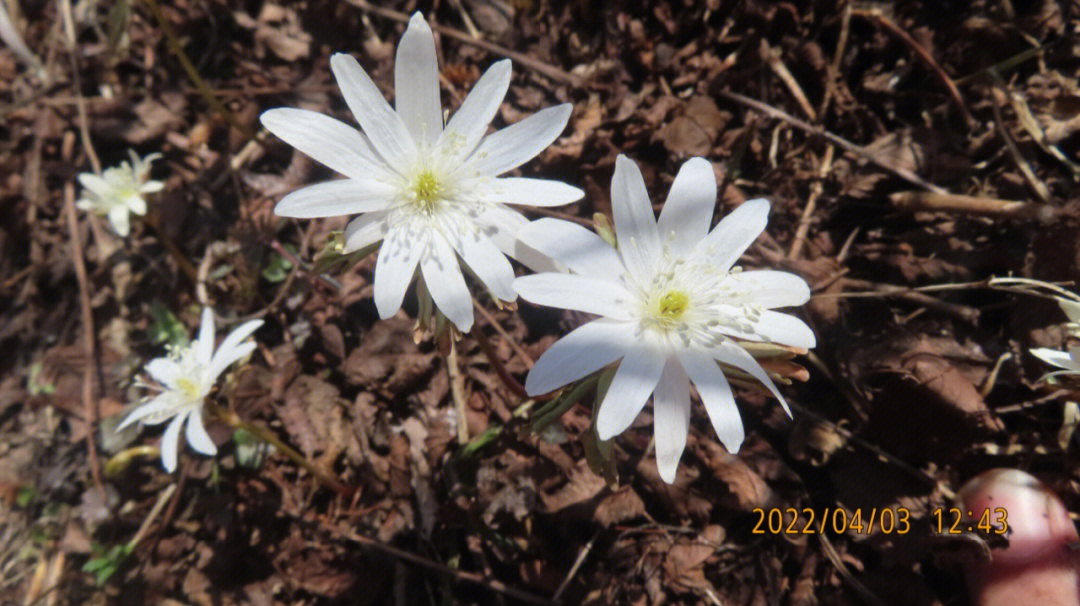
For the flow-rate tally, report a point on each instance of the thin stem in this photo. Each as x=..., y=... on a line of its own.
x=496, y=363
x=90, y=409
x=185, y=264
x=457, y=391
x=173, y=42
x=233, y=420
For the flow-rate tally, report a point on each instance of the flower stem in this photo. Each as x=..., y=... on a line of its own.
x=457, y=391
x=233, y=420
x=496, y=363
x=186, y=266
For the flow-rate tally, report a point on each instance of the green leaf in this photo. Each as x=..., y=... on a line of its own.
x=165, y=327
x=279, y=266
x=250, y=450
x=331, y=257
x=106, y=561
x=557, y=406
x=25, y=495
x=33, y=386
x=599, y=454
x=481, y=440
x=117, y=23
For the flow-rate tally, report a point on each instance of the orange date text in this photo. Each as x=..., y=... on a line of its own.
x=792, y=521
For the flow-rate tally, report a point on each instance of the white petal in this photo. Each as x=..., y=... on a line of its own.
x=152, y=407
x=240, y=333
x=327, y=140
x=583, y=351
x=365, y=230
x=335, y=198
x=1056, y=358
x=233, y=348
x=685, y=218
x=502, y=225
x=487, y=262
x=468, y=125
x=733, y=355
x=1071, y=309
x=518, y=143
x=384, y=128
x=735, y=233
x=224, y=359
x=635, y=224
x=783, y=329
x=523, y=191
x=671, y=418
x=716, y=395
x=444, y=281
x=136, y=205
x=197, y=436
x=94, y=183
x=170, y=442
x=569, y=291
x=416, y=82
x=204, y=344
x=769, y=288
x=634, y=381
x=151, y=187
x=120, y=220
x=163, y=370
x=575, y=246
x=395, y=266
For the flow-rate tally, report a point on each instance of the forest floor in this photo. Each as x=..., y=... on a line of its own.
x=910, y=152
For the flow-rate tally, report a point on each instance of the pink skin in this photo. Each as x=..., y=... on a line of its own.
x=1038, y=566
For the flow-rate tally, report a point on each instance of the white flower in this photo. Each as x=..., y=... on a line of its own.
x=119, y=191
x=671, y=304
x=1068, y=362
x=428, y=192
x=187, y=375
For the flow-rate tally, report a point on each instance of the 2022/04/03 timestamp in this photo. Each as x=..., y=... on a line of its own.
x=886, y=520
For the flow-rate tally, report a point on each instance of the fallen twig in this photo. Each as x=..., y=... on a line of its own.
x=858, y=150
x=887, y=24
x=1022, y=164
x=911, y=295
x=535, y=65
x=772, y=57
x=811, y=204
x=973, y=205
x=89, y=344
x=461, y=575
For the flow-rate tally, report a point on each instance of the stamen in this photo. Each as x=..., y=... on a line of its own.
x=427, y=191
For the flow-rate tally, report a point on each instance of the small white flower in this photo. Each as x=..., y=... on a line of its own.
x=672, y=304
x=120, y=191
x=186, y=376
x=429, y=193
x=1068, y=362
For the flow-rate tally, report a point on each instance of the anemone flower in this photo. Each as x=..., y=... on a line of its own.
x=431, y=193
x=186, y=377
x=671, y=302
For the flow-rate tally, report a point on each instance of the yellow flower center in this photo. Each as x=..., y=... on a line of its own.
x=673, y=304
x=427, y=190
x=190, y=389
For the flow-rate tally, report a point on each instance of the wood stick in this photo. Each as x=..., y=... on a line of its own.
x=843, y=143
x=535, y=65
x=879, y=17
x=973, y=205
